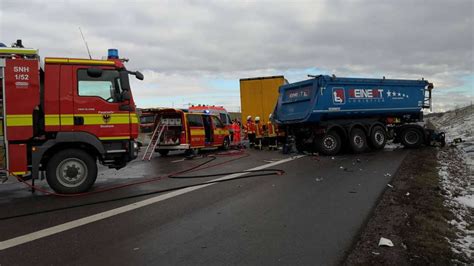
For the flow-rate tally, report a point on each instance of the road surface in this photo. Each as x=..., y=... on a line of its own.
x=309, y=215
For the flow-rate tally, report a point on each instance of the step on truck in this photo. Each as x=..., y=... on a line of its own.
x=59, y=120
x=329, y=113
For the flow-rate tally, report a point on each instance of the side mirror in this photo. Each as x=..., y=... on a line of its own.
x=94, y=72
x=139, y=75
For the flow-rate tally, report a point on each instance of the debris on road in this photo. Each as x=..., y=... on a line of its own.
x=375, y=253
x=385, y=242
x=319, y=179
x=408, y=194
x=390, y=186
x=387, y=174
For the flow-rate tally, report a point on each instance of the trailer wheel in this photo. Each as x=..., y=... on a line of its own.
x=329, y=144
x=358, y=140
x=378, y=137
x=71, y=171
x=411, y=137
x=163, y=152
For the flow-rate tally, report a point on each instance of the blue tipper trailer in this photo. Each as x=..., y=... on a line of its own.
x=327, y=112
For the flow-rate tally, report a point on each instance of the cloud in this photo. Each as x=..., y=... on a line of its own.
x=182, y=45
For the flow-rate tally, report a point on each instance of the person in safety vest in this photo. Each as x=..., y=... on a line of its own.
x=250, y=130
x=272, y=134
x=236, y=129
x=258, y=133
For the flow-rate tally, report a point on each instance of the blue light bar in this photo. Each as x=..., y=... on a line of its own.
x=113, y=54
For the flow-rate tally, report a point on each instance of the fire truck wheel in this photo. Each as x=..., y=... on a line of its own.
x=163, y=152
x=378, y=137
x=71, y=171
x=329, y=144
x=411, y=138
x=226, y=144
x=358, y=140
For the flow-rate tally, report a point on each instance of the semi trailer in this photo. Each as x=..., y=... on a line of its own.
x=329, y=113
x=62, y=118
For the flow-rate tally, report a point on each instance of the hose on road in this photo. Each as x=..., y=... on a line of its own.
x=176, y=175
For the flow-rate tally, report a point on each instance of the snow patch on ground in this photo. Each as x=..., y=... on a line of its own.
x=393, y=146
x=458, y=123
x=456, y=173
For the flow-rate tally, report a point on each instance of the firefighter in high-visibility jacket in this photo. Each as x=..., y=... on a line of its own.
x=250, y=130
x=271, y=134
x=258, y=133
x=236, y=129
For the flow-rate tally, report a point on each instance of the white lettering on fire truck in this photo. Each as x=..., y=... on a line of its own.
x=21, y=73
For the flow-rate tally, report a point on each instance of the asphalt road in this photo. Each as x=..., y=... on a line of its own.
x=310, y=215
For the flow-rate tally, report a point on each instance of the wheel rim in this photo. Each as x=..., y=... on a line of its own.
x=411, y=137
x=329, y=143
x=358, y=141
x=71, y=172
x=226, y=143
x=379, y=137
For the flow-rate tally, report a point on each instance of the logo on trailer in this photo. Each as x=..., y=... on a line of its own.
x=366, y=93
x=106, y=118
x=338, y=96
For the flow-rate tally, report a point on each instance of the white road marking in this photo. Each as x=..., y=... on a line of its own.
x=103, y=215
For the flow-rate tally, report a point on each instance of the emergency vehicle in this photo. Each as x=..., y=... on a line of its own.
x=219, y=111
x=179, y=130
x=60, y=119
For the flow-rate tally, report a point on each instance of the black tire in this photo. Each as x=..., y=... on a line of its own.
x=378, y=138
x=329, y=144
x=225, y=144
x=163, y=152
x=190, y=152
x=411, y=137
x=358, y=140
x=71, y=171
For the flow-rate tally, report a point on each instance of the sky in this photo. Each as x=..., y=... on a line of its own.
x=195, y=52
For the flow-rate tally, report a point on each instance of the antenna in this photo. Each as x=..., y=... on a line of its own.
x=87, y=46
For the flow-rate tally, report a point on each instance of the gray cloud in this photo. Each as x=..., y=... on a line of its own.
x=192, y=39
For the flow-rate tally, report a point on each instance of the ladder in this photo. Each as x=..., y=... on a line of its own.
x=155, y=139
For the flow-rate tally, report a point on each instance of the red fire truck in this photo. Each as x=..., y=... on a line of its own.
x=62, y=118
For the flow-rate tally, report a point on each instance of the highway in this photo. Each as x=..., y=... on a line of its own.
x=309, y=215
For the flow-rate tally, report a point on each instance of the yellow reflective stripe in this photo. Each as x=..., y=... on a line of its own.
x=222, y=131
x=114, y=138
x=51, y=120
x=134, y=118
x=197, y=132
x=78, y=61
x=19, y=173
x=67, y=120
x=18, y=51
x=98, y=119
x=89, y=119
x=19, y=120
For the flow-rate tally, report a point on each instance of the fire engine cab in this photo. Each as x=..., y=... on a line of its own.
x=60, y=119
